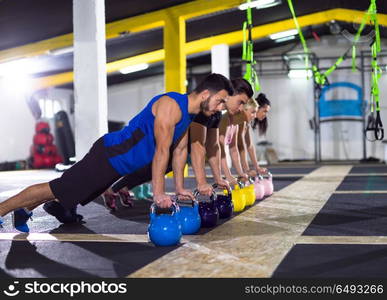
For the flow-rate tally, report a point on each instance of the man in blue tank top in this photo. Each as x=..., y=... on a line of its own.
x=152, y=140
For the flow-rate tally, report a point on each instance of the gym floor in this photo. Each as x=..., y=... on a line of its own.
x=325, y=221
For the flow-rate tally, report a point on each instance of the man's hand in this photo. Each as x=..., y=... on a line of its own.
x=162, y=200
x=184, y=194
x=262, y=170
x=205, y=189
x=223, y=184
x=252, y=173
x=232, y=180
x=243, y=177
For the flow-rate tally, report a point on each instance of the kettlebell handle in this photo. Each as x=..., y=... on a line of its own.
x=240, y=183
x=175, y=207
x=215, y=186
x=194, y=201
x=197, y=193
x=252, y=179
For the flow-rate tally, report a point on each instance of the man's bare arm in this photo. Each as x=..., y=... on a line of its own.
x=242, y=147
x=167, y=115
x=198, y=135
x=213, y=152
x=234, y=153
x=178, y=163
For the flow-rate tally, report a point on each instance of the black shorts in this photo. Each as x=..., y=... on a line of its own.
x=85, y=180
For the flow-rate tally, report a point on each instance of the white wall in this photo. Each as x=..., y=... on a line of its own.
x=127, y=99
x=16, y=123
x=292, y=107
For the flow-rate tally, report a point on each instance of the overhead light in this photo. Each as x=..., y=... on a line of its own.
x=259, y=4
x=284, y=39
x=283, y=34
x=134, y=68
x=61, y=51
x=300, y=73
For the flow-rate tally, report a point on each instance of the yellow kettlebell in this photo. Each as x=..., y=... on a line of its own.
x=238, y=199
x=250, y=194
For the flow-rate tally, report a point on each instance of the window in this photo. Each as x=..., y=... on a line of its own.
x=49, y=107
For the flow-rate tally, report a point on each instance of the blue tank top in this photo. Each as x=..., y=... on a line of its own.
x=134, y=146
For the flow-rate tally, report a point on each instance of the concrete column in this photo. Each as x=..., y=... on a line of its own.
x=220, y=63
x=220, y=60
x=90, y=86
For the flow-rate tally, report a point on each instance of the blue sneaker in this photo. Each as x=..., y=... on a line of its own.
x=20, y=218
x=1, y=222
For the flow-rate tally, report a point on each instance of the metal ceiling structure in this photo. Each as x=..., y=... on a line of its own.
x=36, y=28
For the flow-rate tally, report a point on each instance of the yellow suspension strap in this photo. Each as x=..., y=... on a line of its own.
x=248, y=52
x=375, y=123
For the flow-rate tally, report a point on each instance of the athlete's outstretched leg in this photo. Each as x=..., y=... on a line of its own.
x=30, y=197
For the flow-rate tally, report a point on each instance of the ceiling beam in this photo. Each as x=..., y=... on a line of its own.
x=232, y=38
x=130, y=25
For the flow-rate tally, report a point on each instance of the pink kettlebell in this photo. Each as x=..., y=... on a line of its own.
x=259, y=187
x=268, y=184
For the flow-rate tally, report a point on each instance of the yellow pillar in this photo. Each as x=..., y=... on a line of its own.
x=175, y=60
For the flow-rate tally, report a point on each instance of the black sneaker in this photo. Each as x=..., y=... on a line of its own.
x=20, y=218
x=61, y=213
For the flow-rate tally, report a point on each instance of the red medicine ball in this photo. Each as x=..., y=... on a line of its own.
x=42, y=127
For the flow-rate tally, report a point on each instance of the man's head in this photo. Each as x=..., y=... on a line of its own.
x=213, y=91
x=242, y=93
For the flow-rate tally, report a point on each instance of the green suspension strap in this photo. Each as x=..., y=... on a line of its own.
x=248, y=52
x=357, y=36
x=375, y=123
x=321, y=78
x=302, y=39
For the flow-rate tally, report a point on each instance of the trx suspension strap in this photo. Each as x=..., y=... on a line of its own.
x=248, y=52
x=357, y=36
x=321, y=78
x=302, y=39
x=375, y=123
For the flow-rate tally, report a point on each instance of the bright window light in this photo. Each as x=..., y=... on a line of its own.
x=18, y=67
x=16, y=84
x=300, y=74
x=49, y=107
x=259, y=4
x=134, y=68
x=283, y=34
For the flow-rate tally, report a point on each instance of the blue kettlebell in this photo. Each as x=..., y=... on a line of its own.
x=164, y=229
x=208, y=211
x=189, y=218
x=224, y=203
